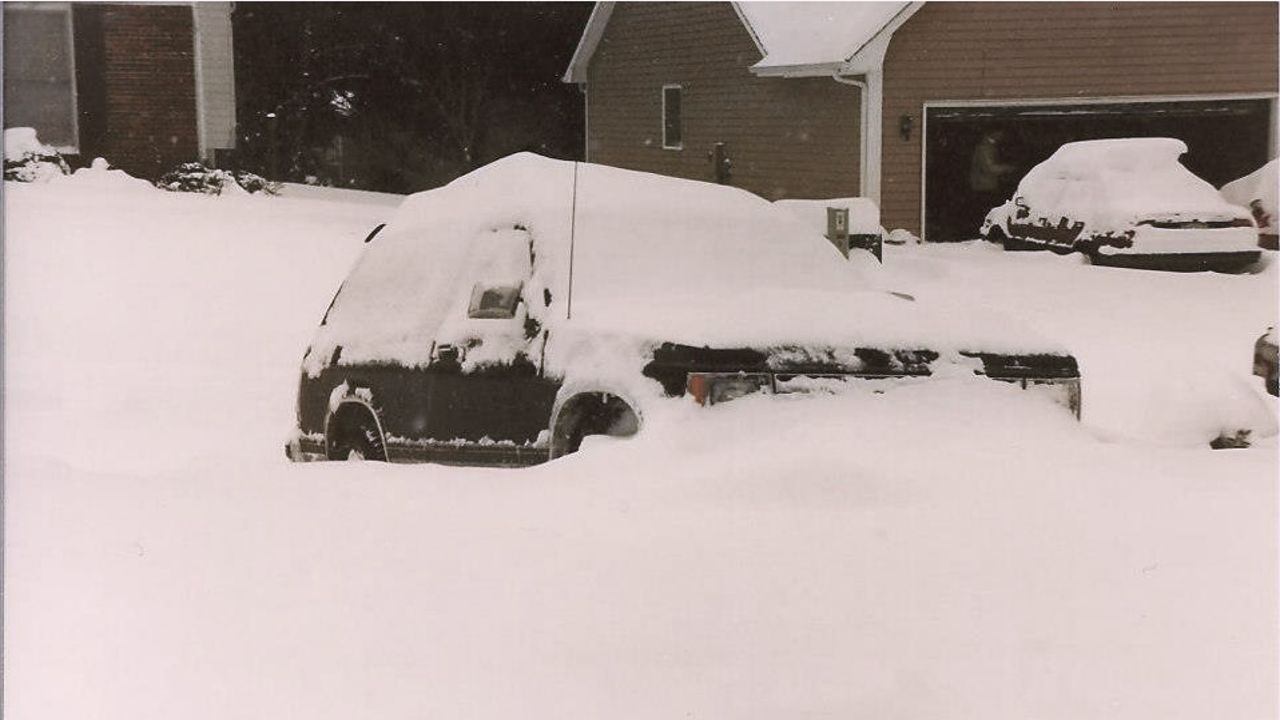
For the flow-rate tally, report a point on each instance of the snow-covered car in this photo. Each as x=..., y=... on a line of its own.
x=503, y=317
x=1266, y=360
x=1258, y=192
x=1125, y=202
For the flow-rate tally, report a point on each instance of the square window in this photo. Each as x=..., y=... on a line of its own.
x=39, y=72
x=672, y=127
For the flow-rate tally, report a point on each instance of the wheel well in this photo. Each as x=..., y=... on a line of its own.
x=350, y=422
x=593, y=413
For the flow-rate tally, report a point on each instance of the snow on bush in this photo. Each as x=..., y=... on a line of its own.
x=196, y=177
x=899, y=236
x=26, y=159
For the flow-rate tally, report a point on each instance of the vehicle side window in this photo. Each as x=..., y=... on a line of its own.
x=493, y=301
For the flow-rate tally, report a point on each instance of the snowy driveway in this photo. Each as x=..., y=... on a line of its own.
x=941, y=551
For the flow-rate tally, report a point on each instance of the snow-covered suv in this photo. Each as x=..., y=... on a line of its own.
x=505, y=316
x=1125, y=202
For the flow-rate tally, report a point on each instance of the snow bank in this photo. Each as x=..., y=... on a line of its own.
x=26, y=159
x=864, y=216
x=654, y=259
x=1110, y=185
x=1258, y=187
x=951, y=549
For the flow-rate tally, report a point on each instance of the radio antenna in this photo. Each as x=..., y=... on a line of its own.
x=573, y=222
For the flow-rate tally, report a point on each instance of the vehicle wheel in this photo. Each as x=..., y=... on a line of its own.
x=591, y=414
x=997, y=236
x=354, y=436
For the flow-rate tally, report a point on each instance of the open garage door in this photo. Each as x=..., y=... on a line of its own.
x=1226, y=139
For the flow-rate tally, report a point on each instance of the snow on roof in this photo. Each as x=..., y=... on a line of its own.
x=796, y=34
x=653, y=258
x=1125, y=154
x=796, y=38
x=1112, y=184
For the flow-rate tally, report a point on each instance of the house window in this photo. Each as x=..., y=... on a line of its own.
x=39, y=72
x=672, y=127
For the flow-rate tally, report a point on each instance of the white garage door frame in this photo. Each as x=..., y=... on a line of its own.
x=1094, y=100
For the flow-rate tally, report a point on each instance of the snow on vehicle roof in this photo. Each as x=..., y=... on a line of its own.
x=654, y=257
x=1258, y=186
x=1112, y=184
x=815, y=33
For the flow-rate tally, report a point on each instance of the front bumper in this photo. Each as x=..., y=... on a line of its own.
x=1149, y=240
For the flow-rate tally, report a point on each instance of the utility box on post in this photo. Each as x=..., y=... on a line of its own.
x=838, y=229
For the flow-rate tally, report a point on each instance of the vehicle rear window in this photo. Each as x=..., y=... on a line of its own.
x=494, y=301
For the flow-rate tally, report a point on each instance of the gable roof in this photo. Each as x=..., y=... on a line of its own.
x=797, y=39
x=814, y=37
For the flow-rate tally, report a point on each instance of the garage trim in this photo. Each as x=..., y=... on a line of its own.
x=1091, y=100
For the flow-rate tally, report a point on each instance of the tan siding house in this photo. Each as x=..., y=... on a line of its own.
x=890, y=100
x=705, y=50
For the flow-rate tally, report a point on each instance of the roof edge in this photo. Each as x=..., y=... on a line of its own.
x=591, y=34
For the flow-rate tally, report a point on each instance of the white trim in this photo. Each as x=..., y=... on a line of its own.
x=665, y=144
x=591, y=34
x=737, y=9
x=1099, y=100
x=202, y=146
x=75, y=87
x=586, y=121
x=1091, y=100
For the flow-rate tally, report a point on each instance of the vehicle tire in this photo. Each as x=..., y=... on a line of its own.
x=996, y=235
x=591, y=414
x=354, y=436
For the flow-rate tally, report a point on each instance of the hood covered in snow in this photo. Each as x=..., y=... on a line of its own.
x=628, y=254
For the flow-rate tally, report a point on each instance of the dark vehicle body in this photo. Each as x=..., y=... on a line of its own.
x=491, y=341
x=506, y=415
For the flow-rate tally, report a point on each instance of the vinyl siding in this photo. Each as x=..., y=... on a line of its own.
x=785, y=138
x=966, y=51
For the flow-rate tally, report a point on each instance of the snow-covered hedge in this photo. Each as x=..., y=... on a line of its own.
x=195, y=177
x=26, y=159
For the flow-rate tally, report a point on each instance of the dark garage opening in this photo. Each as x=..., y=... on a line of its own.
x=1225, y=140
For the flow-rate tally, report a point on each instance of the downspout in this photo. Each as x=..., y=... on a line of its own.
x=862, y=128
x=870, y=109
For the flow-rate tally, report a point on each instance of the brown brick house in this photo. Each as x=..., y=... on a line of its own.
x=890, y=100
x=144, y=85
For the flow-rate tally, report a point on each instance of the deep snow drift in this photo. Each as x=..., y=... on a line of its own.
x=948, y=549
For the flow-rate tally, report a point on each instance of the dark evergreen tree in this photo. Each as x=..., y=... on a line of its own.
x=402, y=96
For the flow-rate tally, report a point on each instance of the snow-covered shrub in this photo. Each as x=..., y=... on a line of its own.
x=26, y=159
x=900, y=236
x=195, y=177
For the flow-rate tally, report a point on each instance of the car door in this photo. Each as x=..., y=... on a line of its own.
x=488, y=399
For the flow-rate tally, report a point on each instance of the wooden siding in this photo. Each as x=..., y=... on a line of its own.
x=785, y=138
x=999, y=51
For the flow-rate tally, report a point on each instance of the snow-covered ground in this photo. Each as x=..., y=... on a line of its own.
x=945, y=550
